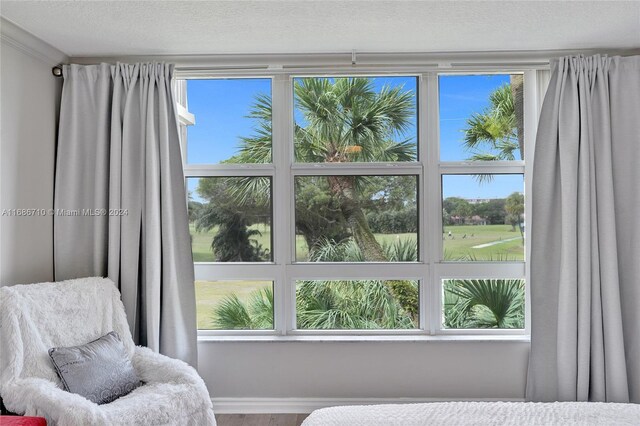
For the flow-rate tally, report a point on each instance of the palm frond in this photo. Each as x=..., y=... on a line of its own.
x=250, y=191
x=478, y=130
x=402, y=250
x=502, y=105
x=494, y=128
x=261, y=308
x=484, y=303
x=348, y=121
x=391, y=151
x=344, y=304
x=326, y=250
x=507, y=147
x=261, y=108
x=257, y=147
x=232, y=314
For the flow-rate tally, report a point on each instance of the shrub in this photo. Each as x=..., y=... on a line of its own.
x=393, y=222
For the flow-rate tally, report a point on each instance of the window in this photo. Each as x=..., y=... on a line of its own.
x=230, y=219
x=356, y=218
x=362, y=204
x=483, y=217
x=482, y=176
x=234, y=305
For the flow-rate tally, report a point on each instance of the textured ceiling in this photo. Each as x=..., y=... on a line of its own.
x=111, y=28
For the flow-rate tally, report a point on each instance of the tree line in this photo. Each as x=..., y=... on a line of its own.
x=459, y=211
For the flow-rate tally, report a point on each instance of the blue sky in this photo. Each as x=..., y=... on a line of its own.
x=220, y=107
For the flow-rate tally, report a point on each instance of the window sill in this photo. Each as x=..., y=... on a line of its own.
x=369, y=338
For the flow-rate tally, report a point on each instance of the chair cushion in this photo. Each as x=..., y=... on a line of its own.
x=100, y=370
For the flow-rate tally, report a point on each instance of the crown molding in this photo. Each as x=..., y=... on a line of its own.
x=16, y=37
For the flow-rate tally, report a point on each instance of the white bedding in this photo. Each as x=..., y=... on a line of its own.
x=478, y=413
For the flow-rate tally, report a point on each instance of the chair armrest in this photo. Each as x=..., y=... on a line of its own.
x=40, y=397
x=153, y=367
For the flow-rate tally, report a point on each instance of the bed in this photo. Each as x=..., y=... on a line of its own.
x=478, y=413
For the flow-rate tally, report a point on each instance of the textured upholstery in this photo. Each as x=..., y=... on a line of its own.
x=100, y=370
x=37, y=317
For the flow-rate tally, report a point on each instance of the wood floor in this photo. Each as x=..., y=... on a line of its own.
x=260, y=419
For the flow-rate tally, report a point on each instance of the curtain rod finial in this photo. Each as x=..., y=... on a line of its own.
x=57, y=71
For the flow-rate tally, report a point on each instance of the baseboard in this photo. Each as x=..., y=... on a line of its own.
x=307, y=405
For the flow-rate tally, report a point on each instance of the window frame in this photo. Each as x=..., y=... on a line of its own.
x=430, y=269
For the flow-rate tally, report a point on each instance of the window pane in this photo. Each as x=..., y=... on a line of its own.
x=232, y=121
x=483, y=217
x=230, y=219
x=234, y=305
x=481, y=117
x=355, y=119
x=488, y=303
x=357, y=304
x=356, y=218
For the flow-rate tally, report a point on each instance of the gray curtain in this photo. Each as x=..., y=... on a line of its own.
x=585, y=234
x=120, y=198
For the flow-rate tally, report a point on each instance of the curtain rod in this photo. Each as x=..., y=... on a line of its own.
x=279, y=62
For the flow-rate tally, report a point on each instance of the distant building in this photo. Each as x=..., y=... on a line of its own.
x=477, y=220
x=480, y=200
x=484, y=200
x=457, y=220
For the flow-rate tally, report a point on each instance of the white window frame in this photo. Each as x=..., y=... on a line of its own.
x=430, y=270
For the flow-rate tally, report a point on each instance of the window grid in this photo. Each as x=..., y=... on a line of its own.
x=430, y=269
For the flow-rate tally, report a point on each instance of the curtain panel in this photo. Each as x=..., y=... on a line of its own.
x=120, y=198
x=585, y=234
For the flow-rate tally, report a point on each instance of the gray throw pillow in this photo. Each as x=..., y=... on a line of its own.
x=101, y=370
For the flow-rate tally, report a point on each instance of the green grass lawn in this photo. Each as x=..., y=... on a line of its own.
x=302, y=252
x=201, y=241
x=210, y=293
x=459, y=246
x=465, y=237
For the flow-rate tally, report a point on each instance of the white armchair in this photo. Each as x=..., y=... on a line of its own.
x=37, y=317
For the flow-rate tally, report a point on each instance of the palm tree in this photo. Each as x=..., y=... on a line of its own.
x=348, y=121
x=517, y=92
x=500, y=126
x=514, y=206
x=484, y=303
x=233, y=241
x=345, y=120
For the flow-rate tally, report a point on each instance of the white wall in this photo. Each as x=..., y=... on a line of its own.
x=355, y=370
x=29, y=103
